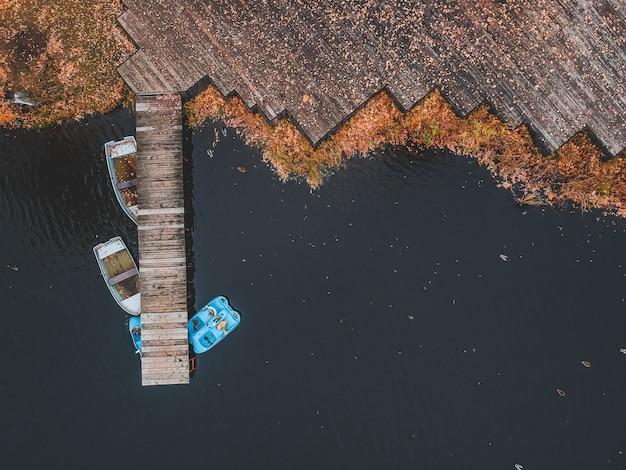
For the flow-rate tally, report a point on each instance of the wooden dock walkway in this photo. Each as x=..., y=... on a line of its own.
x=557, y=65
x=162, y=259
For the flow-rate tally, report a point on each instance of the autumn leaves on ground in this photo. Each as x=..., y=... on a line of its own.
x=64, y=53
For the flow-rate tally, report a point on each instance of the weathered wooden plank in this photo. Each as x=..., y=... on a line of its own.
x=164, y=333
x=160, y=369
x=163, y=262
x=153, y=247
x=165, y=342
x=151, y=372
x=173, y=277
x=174, y=323
x=166, y=237
x=167, y=380
x=169, y=286
x=156, y=350
x=169, y=211
x=165, y=303
x=148, y=318
x=173, y=220
x=164, y=234
x=164, y=325
x=148, y=362
x=158, y=277
x=166, y=374
x=165, y=363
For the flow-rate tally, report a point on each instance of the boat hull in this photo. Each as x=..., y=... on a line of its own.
x=120, y=274
x=121, y=157
x=211, y=324
x=134, y=327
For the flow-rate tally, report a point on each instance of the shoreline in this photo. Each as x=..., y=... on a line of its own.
x=576, y=173
x=73, y=72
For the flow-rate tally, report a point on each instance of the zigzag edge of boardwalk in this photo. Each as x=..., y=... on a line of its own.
x=161, y=230
x=556, y=65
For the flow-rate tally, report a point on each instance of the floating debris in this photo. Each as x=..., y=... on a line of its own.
x=242, y=169
x=411, y=317
x=21, y=97
x=518, y=466
x=209, y=152
x=623, y=350
x=13, y=267
x=586, y=363
x=224, y=132
x=504, y=257
x=560, y=392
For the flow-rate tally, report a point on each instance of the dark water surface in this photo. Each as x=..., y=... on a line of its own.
x=381, y=329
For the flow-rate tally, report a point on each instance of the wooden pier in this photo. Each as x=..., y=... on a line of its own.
x=557, y=65
x=161, y=228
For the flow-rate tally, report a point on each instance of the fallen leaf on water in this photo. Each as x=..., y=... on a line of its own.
x=242, y=169
x=586, y=363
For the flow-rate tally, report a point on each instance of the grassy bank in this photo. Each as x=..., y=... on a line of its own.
x=63, y=53
x=576, y=174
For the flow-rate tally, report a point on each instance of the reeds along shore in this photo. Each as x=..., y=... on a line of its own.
x=577, y=174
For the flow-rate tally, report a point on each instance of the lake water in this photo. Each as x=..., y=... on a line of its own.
x=380, y=326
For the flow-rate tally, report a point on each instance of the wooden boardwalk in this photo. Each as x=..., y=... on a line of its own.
x=162, y=259
x=557, y=65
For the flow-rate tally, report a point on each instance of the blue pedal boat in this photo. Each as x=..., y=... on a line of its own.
x=211, y=324
x=134, y=326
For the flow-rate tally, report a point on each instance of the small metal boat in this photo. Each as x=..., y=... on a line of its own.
x=134, y=327
x=122, y=164
x=120, y=274
x=211, y=324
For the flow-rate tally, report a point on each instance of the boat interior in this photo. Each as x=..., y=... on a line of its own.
x=122, y=273
x=126, y=172
x=208, y=331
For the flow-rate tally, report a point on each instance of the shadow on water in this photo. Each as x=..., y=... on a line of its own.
x=380, y=326
x=51, y=180
x=189, y=228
